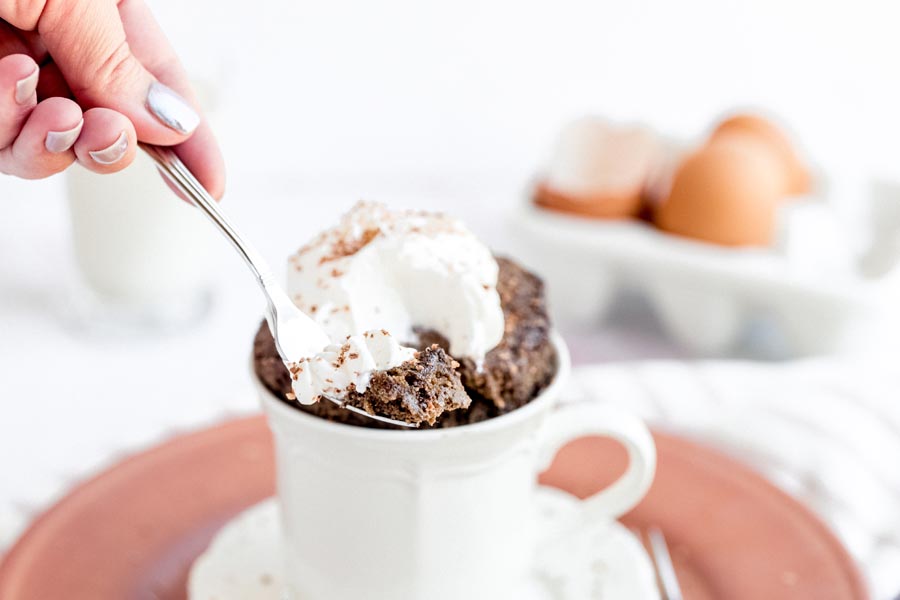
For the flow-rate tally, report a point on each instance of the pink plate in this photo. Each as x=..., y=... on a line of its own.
x=133, y=531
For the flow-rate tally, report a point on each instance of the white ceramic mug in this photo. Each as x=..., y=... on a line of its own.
x=441, y=514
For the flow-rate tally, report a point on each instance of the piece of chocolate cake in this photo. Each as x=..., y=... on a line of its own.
x=416, y=391
x=524, y=361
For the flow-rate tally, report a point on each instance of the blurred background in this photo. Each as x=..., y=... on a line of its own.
x=410, y=88
x=122, y=323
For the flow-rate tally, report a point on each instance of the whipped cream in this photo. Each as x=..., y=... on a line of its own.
x=594, y=157
x=342, y=368
x=400, y=271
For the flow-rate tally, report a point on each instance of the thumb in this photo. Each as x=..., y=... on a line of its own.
x=87, y=41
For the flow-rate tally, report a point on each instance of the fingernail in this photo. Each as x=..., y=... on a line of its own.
x=113, y=153
x=171, y=109
x=26, y=87
x=60, y=141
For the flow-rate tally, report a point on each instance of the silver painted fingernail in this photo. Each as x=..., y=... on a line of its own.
x=113, y=153
x=60, y=141
x=26, y=87
x=171, y=109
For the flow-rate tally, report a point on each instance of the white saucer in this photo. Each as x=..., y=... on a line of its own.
x=575, y=561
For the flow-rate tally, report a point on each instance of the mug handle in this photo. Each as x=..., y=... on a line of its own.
x=570, y=421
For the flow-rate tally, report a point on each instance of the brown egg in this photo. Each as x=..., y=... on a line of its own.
x=726, y=193
x=796, y=173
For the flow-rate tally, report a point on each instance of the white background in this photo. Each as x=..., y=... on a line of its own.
x=409, y=86
x=409, y=90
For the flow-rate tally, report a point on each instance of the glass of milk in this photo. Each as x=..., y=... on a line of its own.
x=143, y=254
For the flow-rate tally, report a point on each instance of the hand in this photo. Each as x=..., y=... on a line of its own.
x=107, y=78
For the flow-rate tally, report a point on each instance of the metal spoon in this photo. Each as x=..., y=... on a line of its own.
x=654, y=543
x=296, y=335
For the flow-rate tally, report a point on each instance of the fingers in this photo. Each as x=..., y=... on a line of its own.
x=28, y=43
x=108, y=142
x=43, y=147
x=87, y=41
x=18, y=97
x=38, y=140
x=109, y=56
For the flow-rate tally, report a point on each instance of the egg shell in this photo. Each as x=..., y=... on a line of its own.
x=622, y=205
x=726, y=193
x=598, y=169
x=796, y=174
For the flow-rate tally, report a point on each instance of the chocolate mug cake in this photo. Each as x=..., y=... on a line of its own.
x=478, y=323
x=420, y=322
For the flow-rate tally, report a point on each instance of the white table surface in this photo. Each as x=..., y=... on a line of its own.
x=72, y=403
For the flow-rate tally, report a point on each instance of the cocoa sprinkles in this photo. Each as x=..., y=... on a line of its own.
x=345, y=247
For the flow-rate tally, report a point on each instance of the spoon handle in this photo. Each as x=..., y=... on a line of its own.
x=280, y=308
x=296, y=335
x=182, y=178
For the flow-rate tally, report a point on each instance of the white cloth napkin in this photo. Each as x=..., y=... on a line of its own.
x=826, y=432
